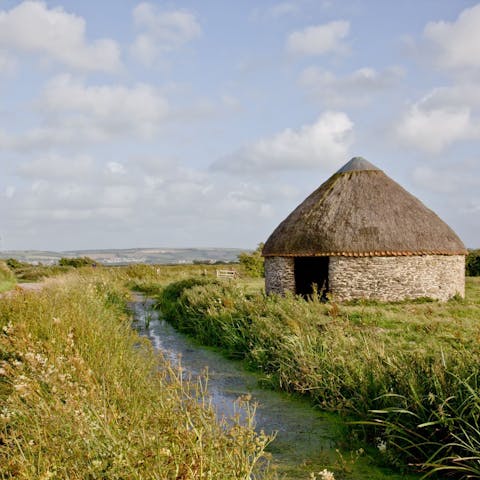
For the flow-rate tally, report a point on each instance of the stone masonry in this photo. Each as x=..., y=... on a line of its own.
x=395, y=278
x=279, y=275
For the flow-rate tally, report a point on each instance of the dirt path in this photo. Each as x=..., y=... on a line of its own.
x=30, y=287
x=23, y=287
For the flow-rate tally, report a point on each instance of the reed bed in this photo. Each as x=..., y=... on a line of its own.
x=83, y=397
x=405, y=374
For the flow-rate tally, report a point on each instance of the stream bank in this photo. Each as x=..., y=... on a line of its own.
x=306, y=439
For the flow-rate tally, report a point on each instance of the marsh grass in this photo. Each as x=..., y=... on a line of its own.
x=83, y=397
x=407, y=372
x=27, y=272
x=7, y=278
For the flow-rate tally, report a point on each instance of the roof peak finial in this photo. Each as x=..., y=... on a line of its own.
x=357, y=164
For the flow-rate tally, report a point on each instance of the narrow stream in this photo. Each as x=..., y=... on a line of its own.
x=305, y=438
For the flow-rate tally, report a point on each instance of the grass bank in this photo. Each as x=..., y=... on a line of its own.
x=83, y=397
x=408, y=371
x=7, y=278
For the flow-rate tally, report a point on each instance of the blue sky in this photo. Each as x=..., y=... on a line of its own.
x=186, y=123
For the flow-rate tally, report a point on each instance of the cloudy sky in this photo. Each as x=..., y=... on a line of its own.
x=187, y=123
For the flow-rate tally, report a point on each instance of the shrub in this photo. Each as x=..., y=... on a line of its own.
x=26, y=272
x=77, y=262
x=253, y=263
x=472, y=264
x=14, y=264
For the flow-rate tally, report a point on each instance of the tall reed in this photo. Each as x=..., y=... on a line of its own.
x=408, y=371
x=83, y=397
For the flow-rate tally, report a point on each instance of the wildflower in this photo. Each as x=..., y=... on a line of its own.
x=382, y=446
x=166, y=452
x=8, y=328
x=326, y=475
x=244, y=398
x=21, y=388
x=47, y=475
x=5, y=415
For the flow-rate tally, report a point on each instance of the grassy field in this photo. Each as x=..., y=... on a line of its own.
x=407, y=372
x=72, y=373
x=83, y=397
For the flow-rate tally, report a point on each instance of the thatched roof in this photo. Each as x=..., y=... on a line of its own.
x=359, y=211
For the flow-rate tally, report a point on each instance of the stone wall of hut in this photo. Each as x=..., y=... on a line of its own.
x=279, y=275
x=396, y=278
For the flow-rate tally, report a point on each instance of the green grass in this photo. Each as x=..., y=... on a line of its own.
x=7, y=278
x=407, y=371
x=6, y=285
x=83, y=397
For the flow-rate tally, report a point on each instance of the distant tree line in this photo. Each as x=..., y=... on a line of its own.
x=472, y=265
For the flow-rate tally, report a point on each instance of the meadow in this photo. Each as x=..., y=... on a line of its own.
x=404, y=375
x=82, y=396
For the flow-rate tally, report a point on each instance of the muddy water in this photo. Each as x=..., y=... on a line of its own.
x=305, y=438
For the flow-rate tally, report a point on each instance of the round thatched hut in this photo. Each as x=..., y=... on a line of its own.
x=361, y=235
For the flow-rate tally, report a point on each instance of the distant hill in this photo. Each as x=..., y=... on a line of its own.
x=131, y=255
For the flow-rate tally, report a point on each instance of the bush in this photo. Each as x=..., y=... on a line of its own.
x=27, y=272
x=472, y=263
x=13, y=263
x=253, y=263
x=77, y=262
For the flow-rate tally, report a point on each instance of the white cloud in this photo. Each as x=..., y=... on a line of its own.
x=283, y=8
x=319, y=39
x=355, y=88
x=276, y=11
x=116, y=168
x=448, y=179
x=444, y=116
x=74, y=113
x=433, y=130
x=456, y=45
x=10, y=191
x=440, y=181
x=32, y=28
x=67, y=133
x=7, y=63
x=161, y=31
x=119, y=196
x=54, y=166
x=460, y=95
x=112, y=108
x=325, y=143
x=153, y=165
x=157, y=201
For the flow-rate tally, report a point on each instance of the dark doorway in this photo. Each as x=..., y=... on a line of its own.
x=311, y=271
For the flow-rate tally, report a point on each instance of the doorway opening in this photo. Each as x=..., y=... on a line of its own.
x=310, y=273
